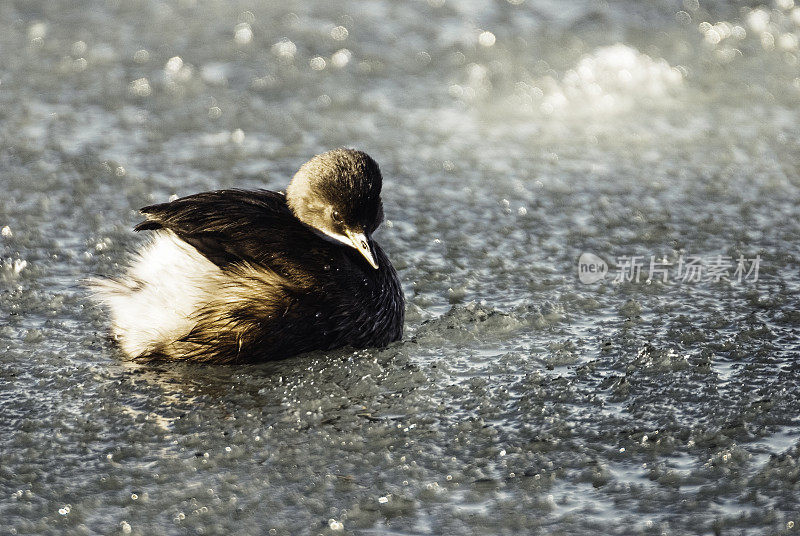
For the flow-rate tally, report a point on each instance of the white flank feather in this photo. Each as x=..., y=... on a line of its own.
x=154, y=302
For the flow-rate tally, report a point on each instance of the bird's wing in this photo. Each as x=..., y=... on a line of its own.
x=234, y=226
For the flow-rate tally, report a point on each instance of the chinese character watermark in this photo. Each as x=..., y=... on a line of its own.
x=687, y=269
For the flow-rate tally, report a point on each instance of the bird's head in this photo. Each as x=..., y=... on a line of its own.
x=338, y=193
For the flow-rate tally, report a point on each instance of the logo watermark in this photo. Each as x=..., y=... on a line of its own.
x=686, y=269
x=591, y=268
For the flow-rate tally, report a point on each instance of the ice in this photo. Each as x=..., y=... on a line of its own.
x=514, y=137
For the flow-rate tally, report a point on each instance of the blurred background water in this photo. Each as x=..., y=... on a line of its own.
x=513, y=136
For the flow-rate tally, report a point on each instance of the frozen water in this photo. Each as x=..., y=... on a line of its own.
x=514, y=136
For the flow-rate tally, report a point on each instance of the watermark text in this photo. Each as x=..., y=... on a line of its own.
x=686, y=269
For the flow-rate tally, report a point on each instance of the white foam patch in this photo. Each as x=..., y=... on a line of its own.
x=610, y=79
x=154, y=302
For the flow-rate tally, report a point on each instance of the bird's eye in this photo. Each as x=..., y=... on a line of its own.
x=336, y=216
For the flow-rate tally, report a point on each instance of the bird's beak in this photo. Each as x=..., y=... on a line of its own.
x=360, y=242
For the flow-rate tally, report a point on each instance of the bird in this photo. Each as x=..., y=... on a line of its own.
x=235, y=276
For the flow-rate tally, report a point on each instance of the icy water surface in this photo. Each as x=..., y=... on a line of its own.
x=513, y=137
